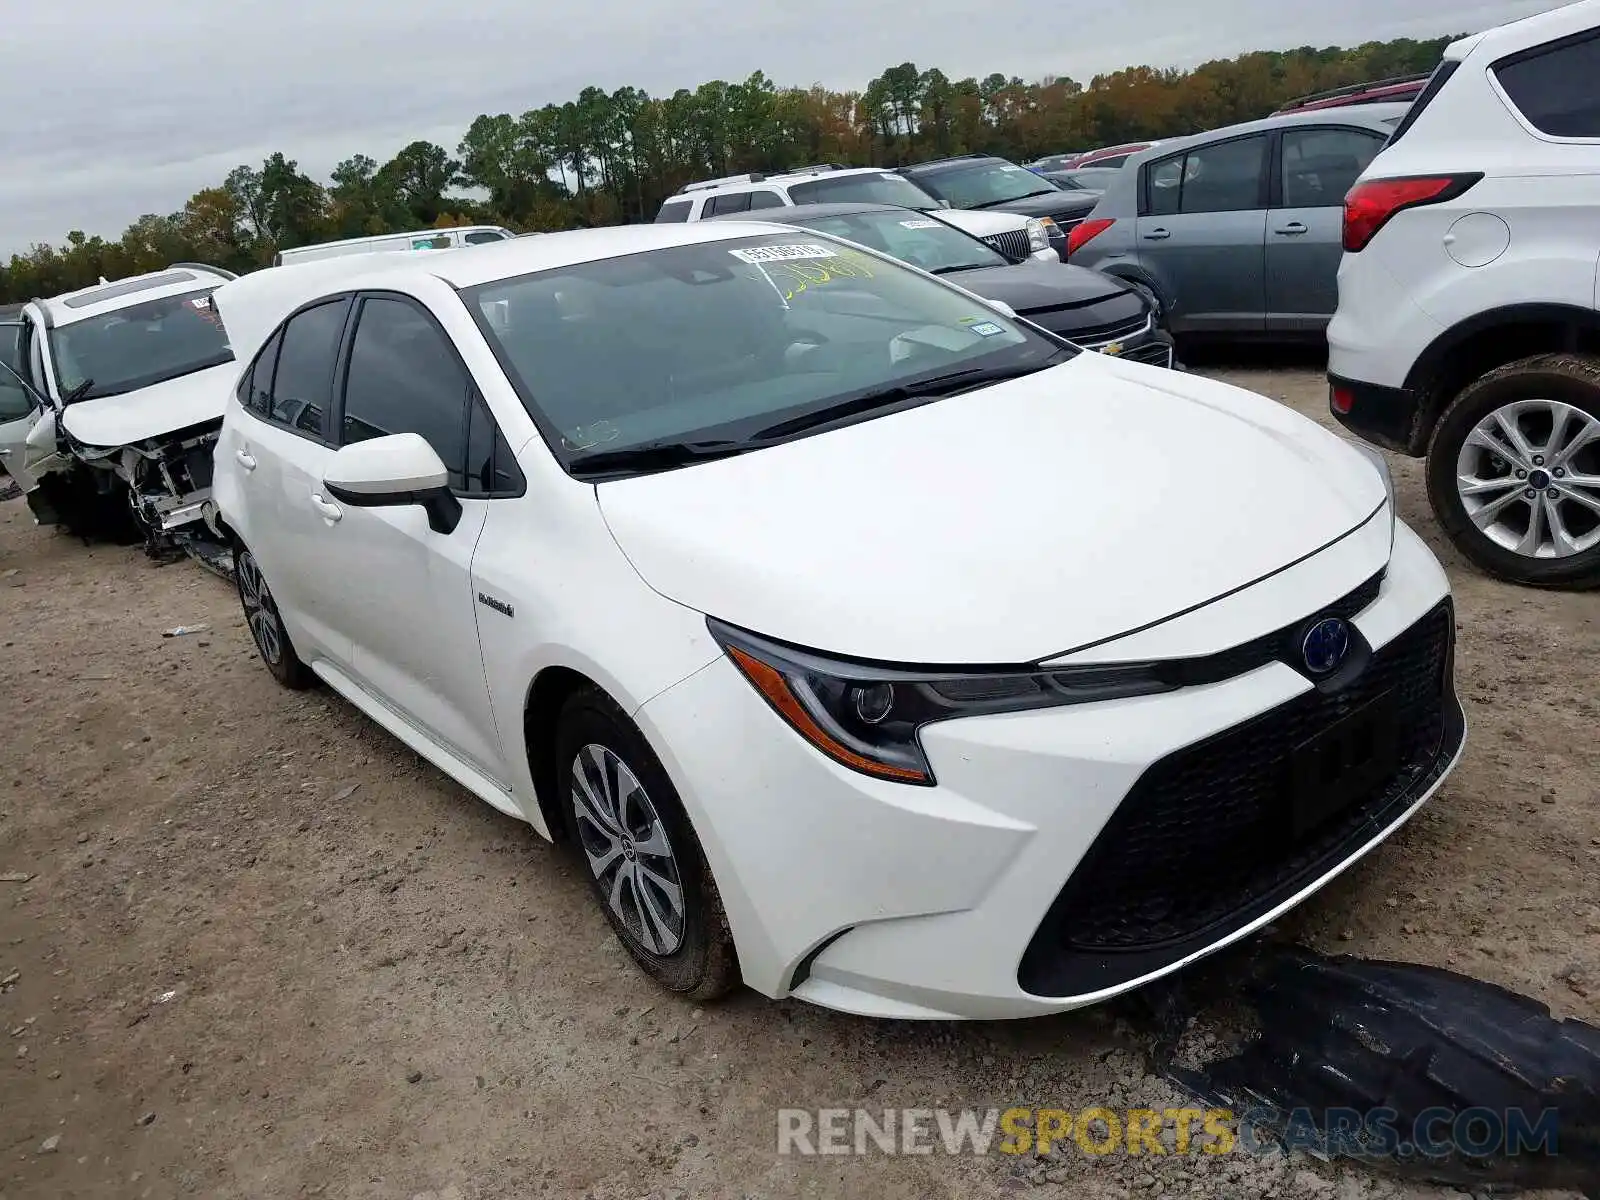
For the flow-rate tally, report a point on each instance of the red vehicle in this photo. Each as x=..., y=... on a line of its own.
x=1107, y=156
x=1378, y=91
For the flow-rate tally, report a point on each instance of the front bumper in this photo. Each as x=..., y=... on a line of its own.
x=1065, y=855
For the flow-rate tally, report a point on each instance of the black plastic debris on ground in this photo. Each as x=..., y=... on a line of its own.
x=1482, y=1074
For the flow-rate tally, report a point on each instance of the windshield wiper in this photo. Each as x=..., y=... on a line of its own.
x=652, y=456
x=77, y=393
x=952, y=383
x=959, y=267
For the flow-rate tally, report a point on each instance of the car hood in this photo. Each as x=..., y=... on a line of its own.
x=1061, y=204
x=979, y=223
x=154, y=411
x=1031, y=285
x=1005, y=525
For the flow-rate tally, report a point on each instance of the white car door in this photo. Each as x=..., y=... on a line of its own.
x=280, y=446
x=405, y=591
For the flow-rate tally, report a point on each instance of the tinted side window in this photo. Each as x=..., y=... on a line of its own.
x=256, y=387
x=481, y=236
x=765, y=199
x=1321, y=165
x=1116, y=160
x=404, y=377
x=1555, y=86
x=1224, y=177
x=674, y=211
x=491, y=469
x=302, y=383
x=731, y=203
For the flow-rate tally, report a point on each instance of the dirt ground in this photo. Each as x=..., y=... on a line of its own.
x=264, y=951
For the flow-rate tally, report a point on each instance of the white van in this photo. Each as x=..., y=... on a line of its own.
x=421, y=239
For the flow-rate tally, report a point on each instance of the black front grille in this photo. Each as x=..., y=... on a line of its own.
x=1013, y=243
x=1202, y=844
x=1098, y=335
x=1155, y=352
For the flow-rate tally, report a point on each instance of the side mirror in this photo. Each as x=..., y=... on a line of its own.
x=399, y=468
x=1003, y=309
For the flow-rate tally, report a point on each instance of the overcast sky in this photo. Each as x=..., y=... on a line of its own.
x=116, y=110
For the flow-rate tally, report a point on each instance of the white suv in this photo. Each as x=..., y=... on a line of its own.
x=1467, y=328
x=1016, y=236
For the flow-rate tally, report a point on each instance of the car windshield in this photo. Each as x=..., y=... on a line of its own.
x=140, y=345
x=925, y=242
x=727, y=341
x=880, y=187
x=984, y=184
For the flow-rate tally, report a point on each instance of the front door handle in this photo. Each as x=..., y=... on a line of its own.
x=1155, y=235
x=245, y=461
x=330, y=512
x=1292, y=229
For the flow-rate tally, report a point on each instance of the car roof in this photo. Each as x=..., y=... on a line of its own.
x=743, y=183
x=843, y=208
x=101, y=298
x=950, y=164
x=1369, y=116
x=1528, y=31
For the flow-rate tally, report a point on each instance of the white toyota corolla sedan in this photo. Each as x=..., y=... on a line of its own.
x=869, y=645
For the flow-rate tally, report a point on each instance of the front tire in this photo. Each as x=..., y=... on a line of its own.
x=1514, y=472
x=266, y=626
x=639, y=851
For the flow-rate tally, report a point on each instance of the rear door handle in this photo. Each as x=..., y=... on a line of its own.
x=1155, y=235
x=329, y=511
x=1291, y=229
x=245, y=461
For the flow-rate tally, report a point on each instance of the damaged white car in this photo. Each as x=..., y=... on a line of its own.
x=126, y=384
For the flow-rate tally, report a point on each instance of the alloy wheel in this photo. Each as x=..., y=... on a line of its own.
x=1528, y=476
x=625, y=842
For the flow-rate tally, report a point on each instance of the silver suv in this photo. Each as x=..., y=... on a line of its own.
x=1238, y=231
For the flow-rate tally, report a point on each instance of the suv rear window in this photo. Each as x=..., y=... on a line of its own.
x=1553, y=86
x=1441, y=75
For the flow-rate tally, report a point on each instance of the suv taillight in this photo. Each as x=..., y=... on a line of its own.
x=1368, y=206
x=1084, y=231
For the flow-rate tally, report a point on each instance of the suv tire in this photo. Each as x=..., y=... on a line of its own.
x=639, y=851
x=1528, y=396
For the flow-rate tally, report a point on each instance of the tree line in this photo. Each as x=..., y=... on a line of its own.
x=605, y=158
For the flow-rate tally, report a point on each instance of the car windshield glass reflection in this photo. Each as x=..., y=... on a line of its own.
x=721, y=339
x=140, y=345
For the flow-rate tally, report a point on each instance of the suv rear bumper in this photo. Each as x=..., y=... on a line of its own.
x=1384, y=416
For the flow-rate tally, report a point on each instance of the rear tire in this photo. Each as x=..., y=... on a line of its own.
x=1550, y=404
x=639, y=851
x=266, y=626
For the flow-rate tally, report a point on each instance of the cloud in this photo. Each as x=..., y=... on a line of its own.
x=117, y=111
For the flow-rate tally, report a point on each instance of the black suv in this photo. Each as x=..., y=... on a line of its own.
x=981, y=181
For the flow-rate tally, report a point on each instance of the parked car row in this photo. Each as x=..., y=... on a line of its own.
x=698, y=544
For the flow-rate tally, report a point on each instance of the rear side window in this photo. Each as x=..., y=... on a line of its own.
x=1556, y=87
x=731, y=203
x=1441, y=75
x=255, y=389
x=1321, y=165
x=1222, y=177
x=1116, y=160
x=765, y=199
x=480, y=236
x=674, y=211
x=303, y=381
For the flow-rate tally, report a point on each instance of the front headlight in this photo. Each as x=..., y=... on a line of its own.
x=1038, y=234
x=867, y=717
x=1381, y=465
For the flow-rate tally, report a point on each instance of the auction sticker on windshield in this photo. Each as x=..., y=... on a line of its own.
x=766, y=254
x=923, y=223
